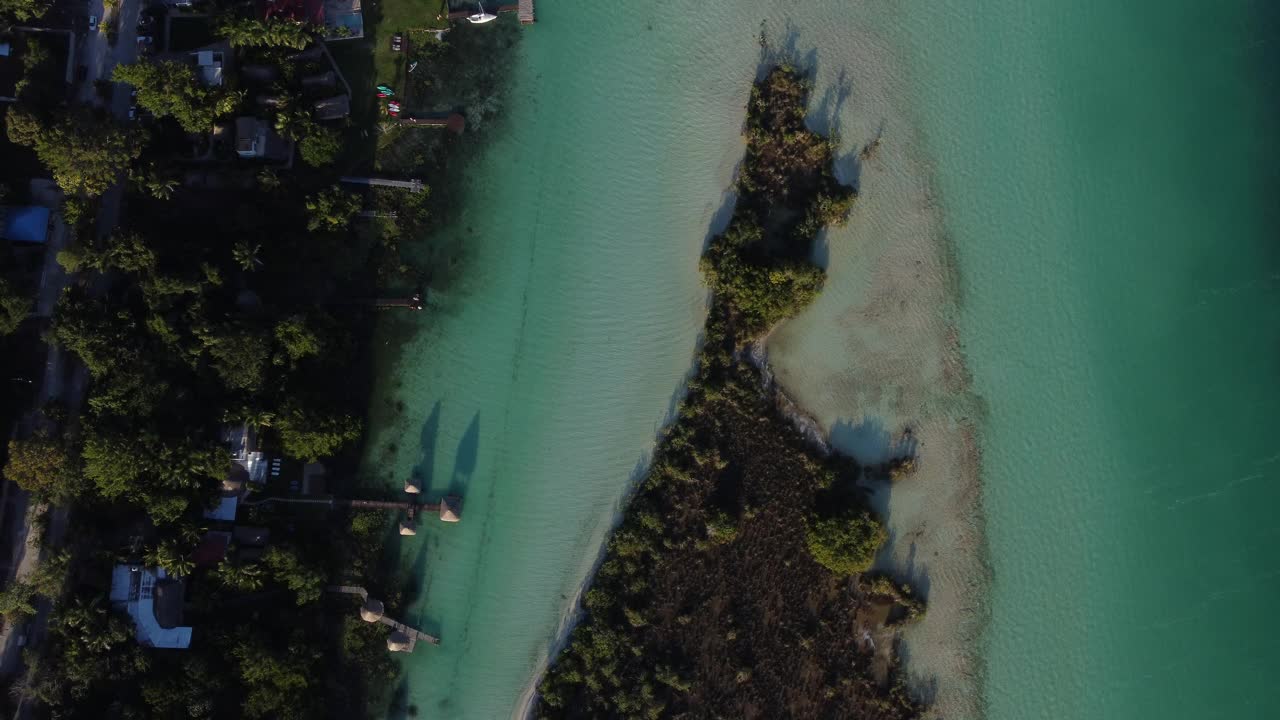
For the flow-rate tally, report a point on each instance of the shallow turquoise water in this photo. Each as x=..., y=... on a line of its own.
x=1107, y=175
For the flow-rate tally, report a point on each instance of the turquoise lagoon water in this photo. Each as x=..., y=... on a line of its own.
x=1104, y=175
x=1107, y=172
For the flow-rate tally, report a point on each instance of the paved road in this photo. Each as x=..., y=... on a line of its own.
x=100, y=57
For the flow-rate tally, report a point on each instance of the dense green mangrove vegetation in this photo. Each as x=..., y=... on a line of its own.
x=736, y=585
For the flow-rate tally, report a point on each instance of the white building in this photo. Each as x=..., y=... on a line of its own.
x=210, y=64
x=154, y=601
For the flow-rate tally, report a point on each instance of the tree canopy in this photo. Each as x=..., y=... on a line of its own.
x=172, y=89
x=39, y=465
x=846, y=543
x=331, y=209
x=310, y=434
x=23, y=10
x=272, y=32
x=163, y=475
x=85, y=152
x=289, y=569
x=14, y=307
x=320, y=147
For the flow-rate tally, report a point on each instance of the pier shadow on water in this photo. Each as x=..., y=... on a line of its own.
x=465, y=461
x=464, y=464
x=423, y=469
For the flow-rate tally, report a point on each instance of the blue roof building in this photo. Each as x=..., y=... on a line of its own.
x=28, y=224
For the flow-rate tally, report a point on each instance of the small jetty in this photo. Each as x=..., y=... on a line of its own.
x=402, y=638
x=449, y=508
x=413, y=185
x=413, y=302
x=523, y=10
x=416, y=301
x=453, y=122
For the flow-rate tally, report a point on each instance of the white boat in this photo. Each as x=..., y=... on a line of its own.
x=481, y=17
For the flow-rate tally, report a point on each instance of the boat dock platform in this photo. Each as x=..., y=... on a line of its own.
x=523, y=9
x=403, y=638
x=453, y=122
x=413, y=185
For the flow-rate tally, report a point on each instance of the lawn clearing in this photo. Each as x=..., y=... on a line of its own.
x=400, y=16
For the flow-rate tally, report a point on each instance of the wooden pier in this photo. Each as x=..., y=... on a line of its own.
x=373, y=611
x=414, y=185
x=449, y=508
x=523, y=10
x=453, y=122
x=413, y=302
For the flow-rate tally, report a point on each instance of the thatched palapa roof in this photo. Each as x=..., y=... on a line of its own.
x=372, y=610
x=399, y=642
x=451, y=509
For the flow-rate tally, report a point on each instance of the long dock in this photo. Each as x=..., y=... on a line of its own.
x=372, y=612
x=413, y=185
x=523, y=9
x=453, y=122
x=413, y=634
x=409, y=507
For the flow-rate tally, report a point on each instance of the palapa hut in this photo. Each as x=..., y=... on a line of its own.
x=411, y=486
x=372, y=610
x=451, y=509
x=406, y=528
x=399, y=642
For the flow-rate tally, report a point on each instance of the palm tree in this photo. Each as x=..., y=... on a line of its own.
x=246, y=255
x=245, y=578
x=170, y=557
x=161, y=188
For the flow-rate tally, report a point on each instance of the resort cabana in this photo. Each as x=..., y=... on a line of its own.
x=372, y=610
x=451, y=509
x=399, y=642
x=406, y=528
x=411, y=486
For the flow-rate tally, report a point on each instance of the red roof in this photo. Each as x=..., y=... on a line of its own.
x=212, y=549
x=308, y=11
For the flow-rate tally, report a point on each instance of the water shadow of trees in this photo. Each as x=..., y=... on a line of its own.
x=825, y=115
x=877, y=448
x=871, y=443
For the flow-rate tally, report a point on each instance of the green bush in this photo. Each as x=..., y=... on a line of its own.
x=846, y=543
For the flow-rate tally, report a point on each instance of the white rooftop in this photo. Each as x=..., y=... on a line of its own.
x=133, y=590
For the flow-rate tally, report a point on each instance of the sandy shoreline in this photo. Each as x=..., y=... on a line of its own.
x=877, y=354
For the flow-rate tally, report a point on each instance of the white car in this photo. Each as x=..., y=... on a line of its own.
x=93, y=22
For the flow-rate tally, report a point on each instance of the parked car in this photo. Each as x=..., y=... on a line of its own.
x=397, y=43
x=93, y=22
x=133, y=112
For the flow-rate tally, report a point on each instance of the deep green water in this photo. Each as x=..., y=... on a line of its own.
x=1105, y=175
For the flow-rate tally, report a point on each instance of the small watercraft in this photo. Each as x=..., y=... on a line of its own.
x=481, y=17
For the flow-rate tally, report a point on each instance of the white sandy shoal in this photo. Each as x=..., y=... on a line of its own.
x=876, y=354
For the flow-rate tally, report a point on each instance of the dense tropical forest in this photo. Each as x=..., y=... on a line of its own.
x=738, y=584
x=207, y=292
